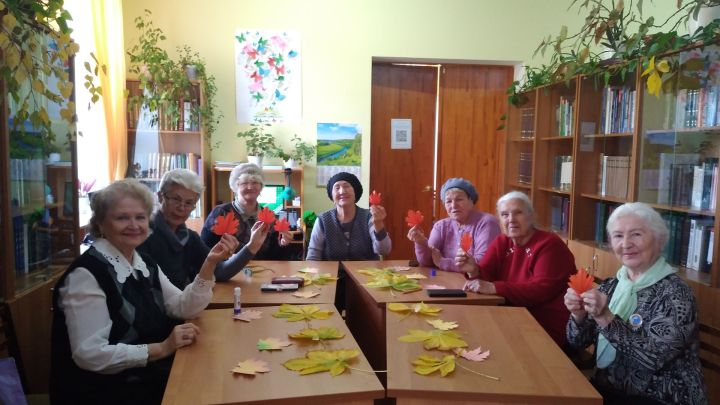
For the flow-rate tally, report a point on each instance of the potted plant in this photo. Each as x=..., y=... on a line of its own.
x=258, y=143
x=302, y=151
x=189, y=60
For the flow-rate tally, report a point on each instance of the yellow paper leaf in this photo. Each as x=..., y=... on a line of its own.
x=318, y=279
x=654, y=82
x=305, y=294
x=312, y=270
x=272, y=344
x=442, y=325
x=418, y=308
x=251, y=366
x=317, y=361
x=434, y=339
x=425, y=365
x=318, y=334
x=294, y=313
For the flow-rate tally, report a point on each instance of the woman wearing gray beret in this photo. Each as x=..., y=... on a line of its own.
x=459, y=197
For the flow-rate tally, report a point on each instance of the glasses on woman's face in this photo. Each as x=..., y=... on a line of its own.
x=178, y=202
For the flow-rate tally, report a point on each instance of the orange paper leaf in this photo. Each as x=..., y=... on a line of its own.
x=414, y=218
x=226, y=224
x=581, y=281
x=251, y=366
x=375, y=198
x=266, y=216
x=466, y=241
x=282, y=225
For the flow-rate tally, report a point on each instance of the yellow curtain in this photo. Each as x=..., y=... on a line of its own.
x=110, y=51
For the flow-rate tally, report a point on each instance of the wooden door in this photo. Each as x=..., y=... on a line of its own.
x=472, y=101
x=403, y=176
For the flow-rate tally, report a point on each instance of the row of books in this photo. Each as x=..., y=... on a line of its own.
x=527, y=123
x=697, y=107
x=559, y=213
x=690, y=184
x=158, y=163
x=613, y=175
x=704, y=185
x=562, y=172
x=184, y=119
x=691, y=241
x=525, y=168
x=564, y=115
x=618, y=110
x=602, y=213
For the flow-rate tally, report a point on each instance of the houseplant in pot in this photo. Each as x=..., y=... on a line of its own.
x=301, y=152
x=259, y=143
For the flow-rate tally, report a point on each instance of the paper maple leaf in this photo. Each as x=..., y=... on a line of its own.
x=434, y=339
x=466, y=241
x=414, y=218
x=248, y=315
x=318, y=334
x=318, y=279
x=266, y=216
x=305, y=294
x=282, y=225
x=394, y=281
x=417, y=308
x=476, y=354
x=272, y=344
x=425, y=365
x=375, y=198
x=317, y=361
x=581, y=281
x=442, y=325
x=226, y=224
x=251, y=366
x=294, y=313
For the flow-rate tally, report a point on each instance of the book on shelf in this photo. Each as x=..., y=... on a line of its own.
x=559, y=213
x=617, y=110
x=525, y=168
x=665, y=173
x=564, y=115
x=562, y=172
x=698, y=238
x=527, y=123
x=603, y=210
x=613, y=175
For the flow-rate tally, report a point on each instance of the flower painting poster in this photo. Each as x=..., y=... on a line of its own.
x=339, y=149
x=267, y=76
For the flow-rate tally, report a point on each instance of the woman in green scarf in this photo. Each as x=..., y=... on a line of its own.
x=643, y=322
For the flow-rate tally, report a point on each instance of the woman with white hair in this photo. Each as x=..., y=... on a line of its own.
x=178, y=250
x=459, y=197
x=644, y=321
x=527, y=266
x=258, y=240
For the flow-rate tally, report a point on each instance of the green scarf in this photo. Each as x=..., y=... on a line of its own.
x=624, y=302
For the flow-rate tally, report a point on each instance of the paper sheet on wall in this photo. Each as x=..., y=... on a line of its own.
x=400, y=133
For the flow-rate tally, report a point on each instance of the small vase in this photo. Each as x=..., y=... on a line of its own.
x=258, y=160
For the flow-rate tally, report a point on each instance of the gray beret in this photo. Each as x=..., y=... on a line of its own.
x=462, y=184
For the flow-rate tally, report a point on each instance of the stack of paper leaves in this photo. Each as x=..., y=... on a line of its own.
x=425, y=365
x=251, y=366
x=419, y=308
x=374, y=272
x=317, y=361
x=397, y=282
x=294, y=313
x=318, y=334
x=435, y=339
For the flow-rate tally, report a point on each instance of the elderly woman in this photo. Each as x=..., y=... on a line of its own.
x=644, y=321
x=117, y=319
x=348, y=232
x=259, y=241
x=460, y=197
x=527, y=266
x=179, y=251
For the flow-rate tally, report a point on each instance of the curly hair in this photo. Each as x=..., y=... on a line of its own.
x=108, y=197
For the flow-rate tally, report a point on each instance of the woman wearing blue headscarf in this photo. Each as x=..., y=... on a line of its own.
x=643, y=322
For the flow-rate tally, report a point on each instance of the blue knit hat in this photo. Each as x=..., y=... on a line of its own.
x=350, y=178
x=462, y=184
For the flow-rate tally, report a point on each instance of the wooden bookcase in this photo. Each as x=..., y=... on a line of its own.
x=629, y=145
x=220, y=193
x=157, y=144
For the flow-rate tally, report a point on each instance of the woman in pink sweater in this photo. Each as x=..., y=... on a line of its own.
x=527, y=266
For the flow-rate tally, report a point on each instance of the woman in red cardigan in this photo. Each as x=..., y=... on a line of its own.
x=527, y=266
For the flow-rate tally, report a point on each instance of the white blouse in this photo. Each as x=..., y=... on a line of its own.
x=88, y=320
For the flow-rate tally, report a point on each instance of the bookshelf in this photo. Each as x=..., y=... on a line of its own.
x=220, y=193
x=172, y=137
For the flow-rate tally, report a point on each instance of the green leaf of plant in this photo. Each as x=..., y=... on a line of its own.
x=425, y=365
x=317, y=361
x=294, y=313
x=318, y=334
x=434, y=339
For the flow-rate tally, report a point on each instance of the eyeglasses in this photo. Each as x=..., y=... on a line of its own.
x=178, y=202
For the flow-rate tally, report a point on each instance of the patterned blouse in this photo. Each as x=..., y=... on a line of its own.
x=657, y=359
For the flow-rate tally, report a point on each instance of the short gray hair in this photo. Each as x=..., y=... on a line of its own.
x=651, y=218
x=250, y=169
x=181, y=177
x=516, y=195
x=108, y=197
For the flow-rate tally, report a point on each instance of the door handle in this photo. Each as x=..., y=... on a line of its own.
x=427, y=189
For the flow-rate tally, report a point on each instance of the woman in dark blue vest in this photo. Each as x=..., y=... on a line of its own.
x=117, y=319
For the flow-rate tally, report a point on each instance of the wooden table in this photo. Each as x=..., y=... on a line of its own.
x=365, y=312
x=201, y=372
x=253, y=297
x=531, y=367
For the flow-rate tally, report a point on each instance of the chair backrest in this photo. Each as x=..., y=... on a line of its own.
x=11, y=390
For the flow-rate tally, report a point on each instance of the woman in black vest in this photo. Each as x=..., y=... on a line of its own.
x=117, y=319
